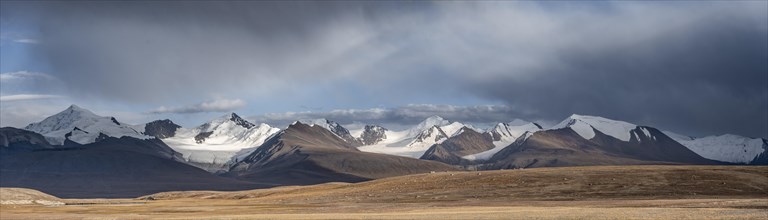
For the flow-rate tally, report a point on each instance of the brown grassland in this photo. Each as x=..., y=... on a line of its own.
x=590, y=192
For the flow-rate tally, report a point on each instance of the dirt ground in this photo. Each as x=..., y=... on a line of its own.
x=636, y=192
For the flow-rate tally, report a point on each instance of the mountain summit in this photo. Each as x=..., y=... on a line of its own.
x=589, y=140
x=585, y=125
x=240, y=121
x=428, y=123
x=81, y=126
x=334, y=128
x=728, y=147
x=213, y=144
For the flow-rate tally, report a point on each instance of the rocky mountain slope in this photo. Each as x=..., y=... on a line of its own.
x=466, y=142
x=372, y=134
x=309, y=154
x=588, y=140
x=504, y=134
x=158, y=128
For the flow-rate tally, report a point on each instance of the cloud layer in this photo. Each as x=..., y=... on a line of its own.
x=693, y=67
x=23, y=75
x=400, y=116
x=221, y=105
x=24, y=97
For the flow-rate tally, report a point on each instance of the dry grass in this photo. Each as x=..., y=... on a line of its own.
x=247, y=209
x=636, y=192
x=10, y=194
x=565, y=183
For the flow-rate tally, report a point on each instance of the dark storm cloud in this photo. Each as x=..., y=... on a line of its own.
x=708, y=76
x=697, y=68
x=167, y=50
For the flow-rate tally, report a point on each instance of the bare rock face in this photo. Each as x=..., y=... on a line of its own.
x=114, y=120
x=240, y=121
x=452, y=150
x=200, y=138
x=161, y=128
x=373, y=134
x=338, y=130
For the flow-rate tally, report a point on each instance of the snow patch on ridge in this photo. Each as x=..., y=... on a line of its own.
x=485, y=155
x=583, y=125
x=452, y=128
x=427, y=124
x=727, y=147
x=647, y=133
x=335, y=128
x=677, y=137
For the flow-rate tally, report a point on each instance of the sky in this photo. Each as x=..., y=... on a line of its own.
x=694, y=67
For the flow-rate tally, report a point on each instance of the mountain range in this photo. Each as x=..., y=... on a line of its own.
x=97, y=156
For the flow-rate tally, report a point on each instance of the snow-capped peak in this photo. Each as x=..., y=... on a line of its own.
x=432, y=130
x=434, y=120
x=63, y=119
x=219, y=140
x=427, y=124
x=229, y=121
x=728, y=147
x=518, y=122
x=86, y=125
x=583, y=125
x=313, y=122
x=322, y=122
x=75, y=108
x=428, y=137
x=506, y=133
